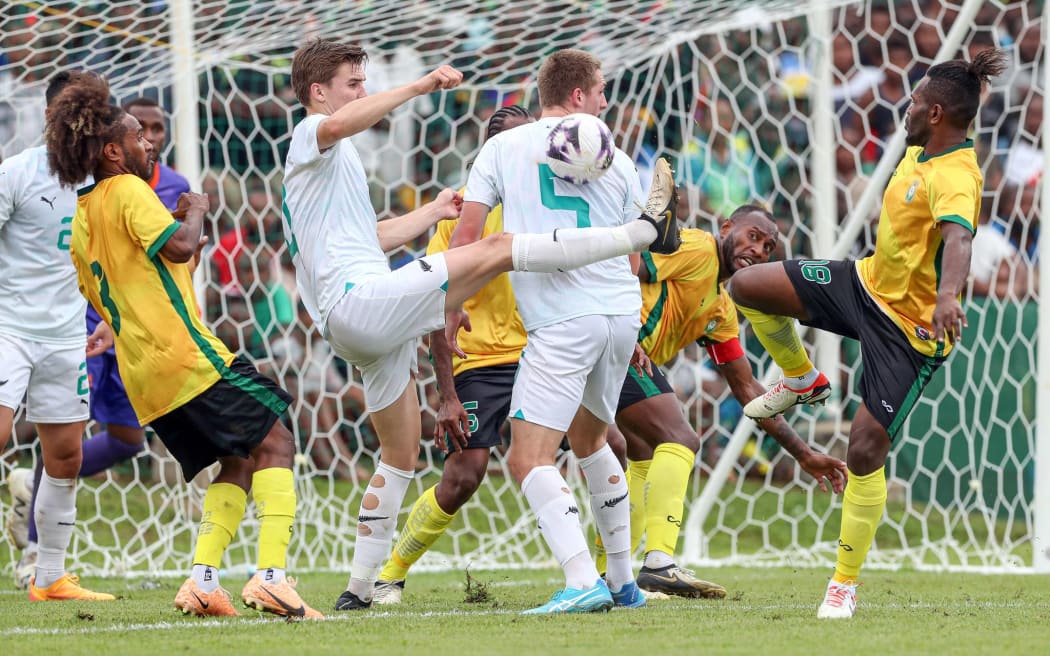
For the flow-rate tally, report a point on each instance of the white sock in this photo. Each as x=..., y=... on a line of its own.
x=656, y=559
x=802, y=382
x=56, y=513
x=376, y=522
x=607, y=483
x=571, y=248
x=559, y=519
x=272, y=575
x=206, y=577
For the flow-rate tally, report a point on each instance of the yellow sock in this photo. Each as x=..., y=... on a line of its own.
x=274, y=492
x=601, y=560
x=222, y=513
x=862, y=507
x=425, y=524
x=637, y=472
x=665, y=498
x=781, y=340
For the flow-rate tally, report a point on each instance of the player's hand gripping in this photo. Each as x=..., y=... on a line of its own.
x=191, y=201
x=449, y=204
x=823, y=467
x=444, y=77
x=99, y=341
x=949, y=319
x=640, y=361
x=453, y=426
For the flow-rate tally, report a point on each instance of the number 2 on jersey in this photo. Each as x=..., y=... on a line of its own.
x=551, y=200
x=107, y=302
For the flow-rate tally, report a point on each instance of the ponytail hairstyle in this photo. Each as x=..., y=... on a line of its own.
x=80, y=122
x=956, y=85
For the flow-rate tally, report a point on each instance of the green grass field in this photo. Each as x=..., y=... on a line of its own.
x=773, y=610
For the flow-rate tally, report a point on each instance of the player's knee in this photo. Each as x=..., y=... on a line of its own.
x=456, y=490
x=687, y=438
x=278, y=447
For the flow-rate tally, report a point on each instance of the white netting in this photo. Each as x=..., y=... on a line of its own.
x=723, y=88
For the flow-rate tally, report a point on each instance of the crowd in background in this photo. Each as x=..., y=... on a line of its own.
x=728, y=109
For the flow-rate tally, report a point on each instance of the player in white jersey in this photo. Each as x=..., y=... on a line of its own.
x=582, y=328
x=42, y=349
x=371, y=315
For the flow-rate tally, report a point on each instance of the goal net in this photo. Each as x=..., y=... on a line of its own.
x=730, y=92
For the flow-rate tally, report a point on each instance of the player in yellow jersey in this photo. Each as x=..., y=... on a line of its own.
x=204, y=403
x=474, y=394
x=683, y=301
x=902, y=303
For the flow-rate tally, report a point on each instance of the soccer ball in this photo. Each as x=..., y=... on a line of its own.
x=580, y=148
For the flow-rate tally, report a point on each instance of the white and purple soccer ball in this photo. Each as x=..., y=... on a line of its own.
x=580, y=148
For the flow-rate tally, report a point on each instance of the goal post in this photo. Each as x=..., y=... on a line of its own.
x=793, y=105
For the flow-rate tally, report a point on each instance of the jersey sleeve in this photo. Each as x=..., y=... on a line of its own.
x=148, y=222
x=439, y=242
x=484, y=182
x=690, y=262
x=954, y=197
x=303, y=148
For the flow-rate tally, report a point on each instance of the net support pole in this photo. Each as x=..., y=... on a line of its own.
x=822, y=174
x=1041, y=499
x=185, y=96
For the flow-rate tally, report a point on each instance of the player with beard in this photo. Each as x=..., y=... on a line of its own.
x=204, y=403
x=902, y=303
x=684, y=301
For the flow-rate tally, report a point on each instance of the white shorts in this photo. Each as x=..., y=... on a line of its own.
x=376, y=324
x=51, y=378
x=581, y=361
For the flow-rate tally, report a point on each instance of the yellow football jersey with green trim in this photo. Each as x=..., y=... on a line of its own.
x=904, y=273
x=165, y=354
x=683, y=301
x=497, y=335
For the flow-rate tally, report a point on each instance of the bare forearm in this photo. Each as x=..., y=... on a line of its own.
x=362, y=114
x=403, y=229
x=183, y=243
x=745, y=388
x=441, y=354
x=955, y=266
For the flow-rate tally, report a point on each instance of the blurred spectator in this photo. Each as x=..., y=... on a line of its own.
x=1024, y=159
x=1004, y=246
x=719, y=160
x=631, y=133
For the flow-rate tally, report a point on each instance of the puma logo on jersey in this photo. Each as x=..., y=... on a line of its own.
x=50, y=203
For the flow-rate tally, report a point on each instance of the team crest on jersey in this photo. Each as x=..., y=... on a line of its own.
x=922, y=333
x=911, y=191
x=711, y=325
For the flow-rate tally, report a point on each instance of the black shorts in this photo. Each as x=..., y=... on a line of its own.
x=485, y=395
x=639, y=387
x=893, y=374
x=230, y=418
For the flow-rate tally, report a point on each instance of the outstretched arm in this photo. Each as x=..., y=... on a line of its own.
x=362, y=114
x=742, y=382
x=403, y=229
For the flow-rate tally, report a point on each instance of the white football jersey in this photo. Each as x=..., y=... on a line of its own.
x=511, y=169
x=38, y=284
x=329, y=222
